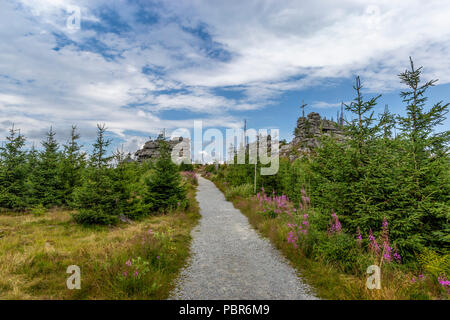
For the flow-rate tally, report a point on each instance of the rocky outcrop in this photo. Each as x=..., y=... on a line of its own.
x=307, y=133
x=150, y=150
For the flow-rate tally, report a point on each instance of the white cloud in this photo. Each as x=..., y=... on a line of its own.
x=323, y=104
x=318, y=39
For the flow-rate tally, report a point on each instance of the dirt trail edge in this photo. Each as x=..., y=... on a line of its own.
x=231, y=261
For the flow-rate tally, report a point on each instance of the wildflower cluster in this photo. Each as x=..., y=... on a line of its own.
x=273, y=205
x=387, y=252
x=297, y=230
x=136, y=268
x=304, y=205
x=444, y=282
x=387, y=249
x=335, y=226
x=190, y=176
x=373, y=245
x=358, y=237
x=420, y=278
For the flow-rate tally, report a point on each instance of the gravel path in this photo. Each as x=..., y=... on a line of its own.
x=231, y=261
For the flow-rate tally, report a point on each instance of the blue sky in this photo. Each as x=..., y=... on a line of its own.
x=141, y=66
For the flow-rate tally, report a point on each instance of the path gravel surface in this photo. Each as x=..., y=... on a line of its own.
x=230, y=260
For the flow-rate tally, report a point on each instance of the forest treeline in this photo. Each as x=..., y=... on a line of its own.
x=375, y=174
x=101, y=188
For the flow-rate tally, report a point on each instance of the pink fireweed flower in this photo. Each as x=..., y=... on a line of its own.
x=373, y=245
x=444, y=282
x=358, y=237
x=397, y=256
x=292, y=238
x=384, y=237
x=128, y=263
x=335, y=226
x=385, y=231
x=149, y=231
x=413, y=280
x=158, y=257
x=136, y=273
x=125, y=274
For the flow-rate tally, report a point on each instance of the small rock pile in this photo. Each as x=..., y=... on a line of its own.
x=150, y=150
x=307, y=133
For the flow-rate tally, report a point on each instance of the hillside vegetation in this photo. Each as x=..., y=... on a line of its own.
x=125, y=224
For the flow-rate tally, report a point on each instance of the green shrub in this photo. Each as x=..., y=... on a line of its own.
x=211, y=168
x=88, y=217
x=244, y=190
x=39, y=210
x=186, y=167
x=339, y=249
x=434, y=263
x=269, y=213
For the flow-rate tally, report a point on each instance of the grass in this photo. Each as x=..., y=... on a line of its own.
x=36, y=249
x=327, y=278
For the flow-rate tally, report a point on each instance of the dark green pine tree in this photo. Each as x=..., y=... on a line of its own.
x=343, y=170
x=99, y=158
x=127, y=186
x=426, y=161
x=13, y=172
x=362, y=128
x=71, y=166
x=165, y=190
x=47, y=189
x=95, y=198
x=32, y=159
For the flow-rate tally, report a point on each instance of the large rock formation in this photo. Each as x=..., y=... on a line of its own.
x=307, y=133
x=150, y=150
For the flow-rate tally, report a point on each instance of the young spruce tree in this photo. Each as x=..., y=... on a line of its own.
x=95, y=199
x=426, y=163
x=13, y=172
x=165, y=190
x=46, y=183
x=71, y=166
